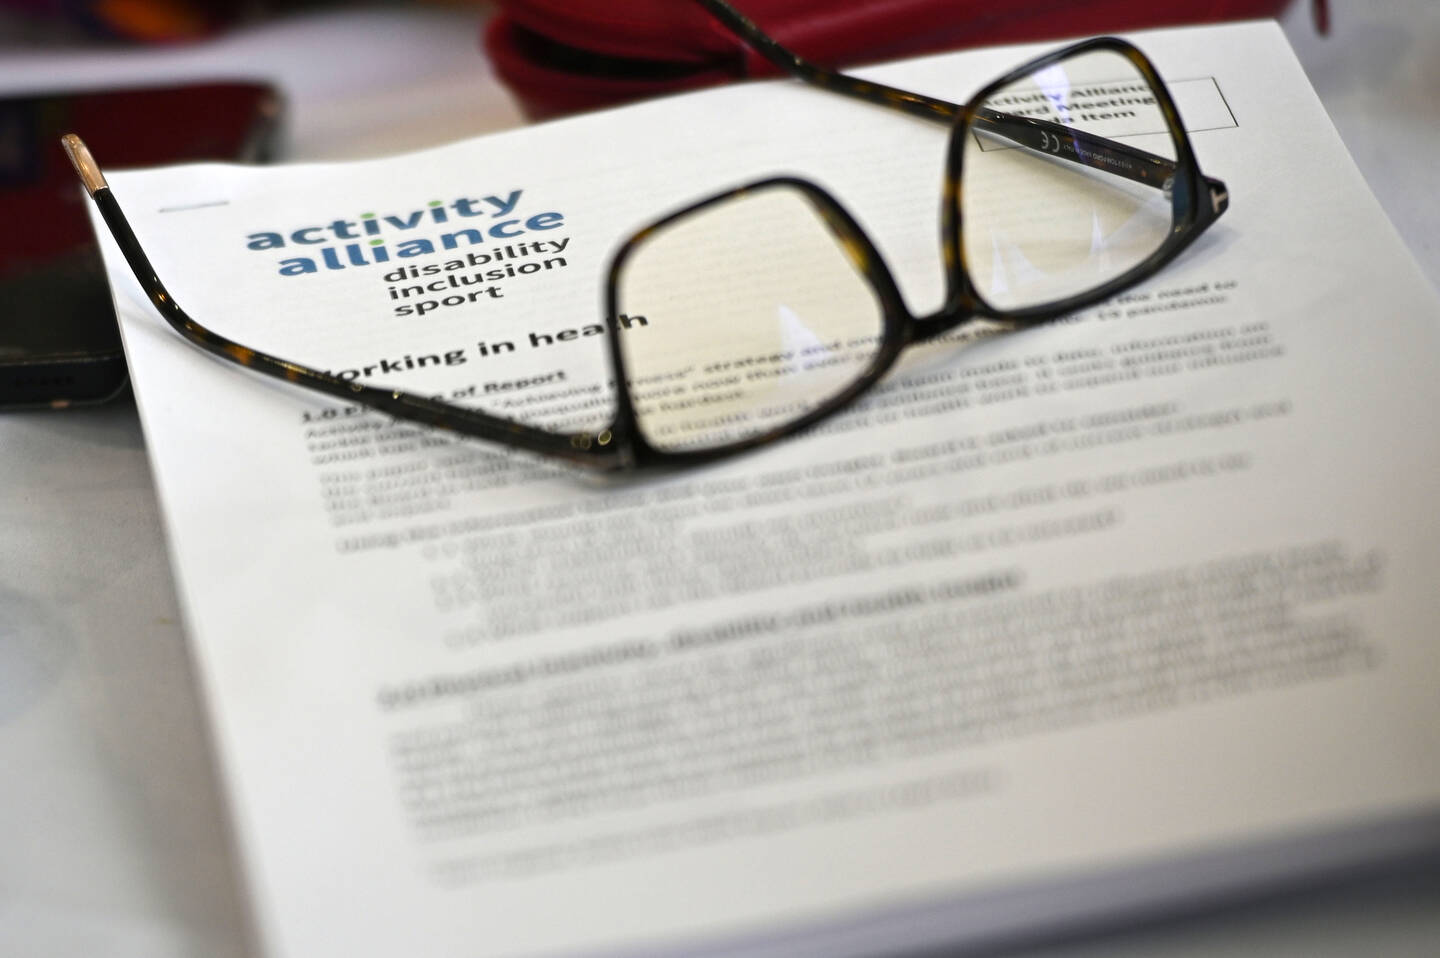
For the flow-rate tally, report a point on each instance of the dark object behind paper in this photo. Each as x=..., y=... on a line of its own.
x=558, y=56
x=59, y=344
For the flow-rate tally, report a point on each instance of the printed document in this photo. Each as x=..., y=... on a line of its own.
x=1135, y=607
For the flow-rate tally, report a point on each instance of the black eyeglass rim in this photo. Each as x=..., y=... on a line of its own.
x=622, y=446
x=962, y=303
x=1190, y=216
x=897, y=324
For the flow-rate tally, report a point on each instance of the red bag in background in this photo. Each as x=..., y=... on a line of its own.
x=558, y=56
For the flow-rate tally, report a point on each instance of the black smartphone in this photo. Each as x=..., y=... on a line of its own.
x=59, y=344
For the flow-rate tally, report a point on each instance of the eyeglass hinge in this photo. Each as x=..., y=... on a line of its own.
x=1219, y=199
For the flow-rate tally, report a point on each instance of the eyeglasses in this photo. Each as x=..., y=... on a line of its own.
x=766, y=308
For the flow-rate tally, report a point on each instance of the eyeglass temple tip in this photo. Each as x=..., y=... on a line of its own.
x=85, y=165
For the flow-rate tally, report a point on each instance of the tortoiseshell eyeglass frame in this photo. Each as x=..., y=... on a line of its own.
x=1197, y=201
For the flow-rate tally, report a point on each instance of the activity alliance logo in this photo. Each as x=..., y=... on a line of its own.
x=362, y=241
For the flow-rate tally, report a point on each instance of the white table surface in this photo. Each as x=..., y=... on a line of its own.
x=113, y=835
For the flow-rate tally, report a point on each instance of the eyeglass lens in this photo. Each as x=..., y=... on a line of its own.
x=759, y=312
x=1063, y=215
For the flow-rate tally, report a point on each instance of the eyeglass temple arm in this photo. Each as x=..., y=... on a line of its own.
x=1080, y=147
x=1077, y=146
x=581, y=448
x=917, y=104
x=1061, y=142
